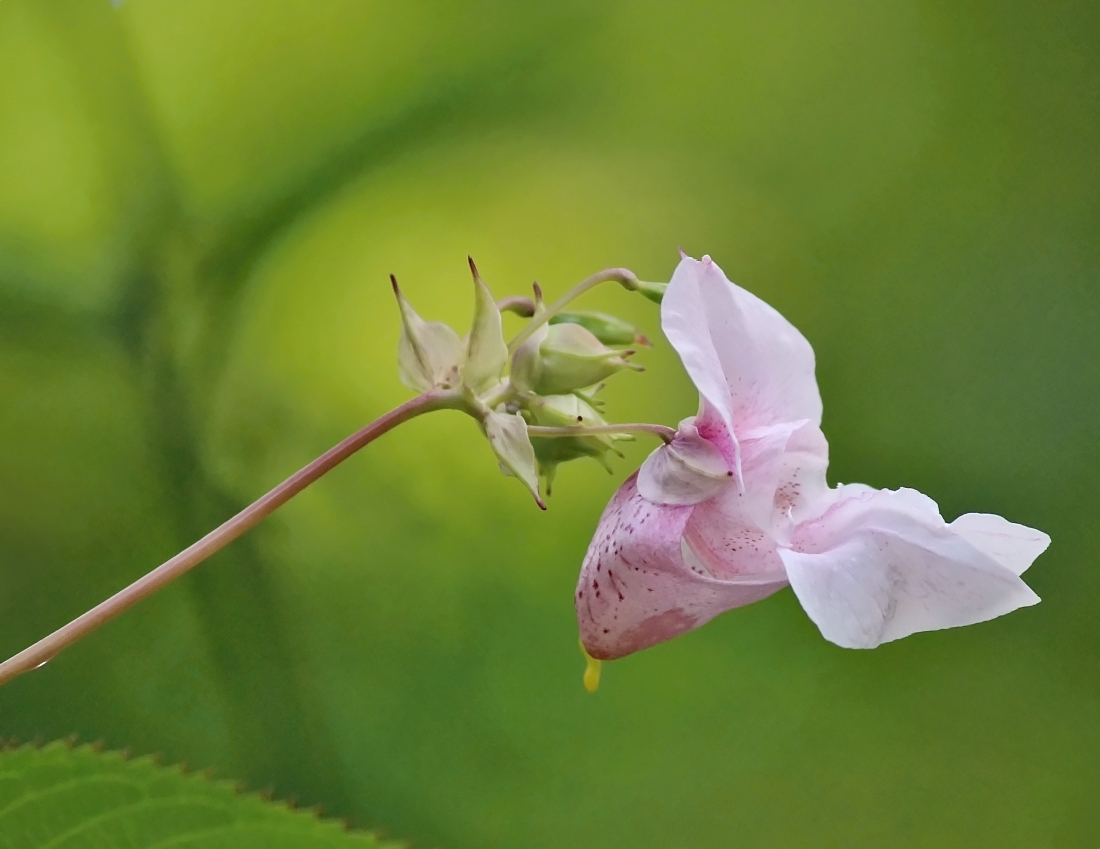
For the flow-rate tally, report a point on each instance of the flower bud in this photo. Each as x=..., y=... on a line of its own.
x=567, y=411
x=571, y=358
x=429, y=354
x=526, y=368
x=609, y=329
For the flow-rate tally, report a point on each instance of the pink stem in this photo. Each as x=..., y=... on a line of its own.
x=49, y=647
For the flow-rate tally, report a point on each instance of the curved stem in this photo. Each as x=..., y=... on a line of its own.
x=618, y=275
x=521, y=306
x=49, y=647
x=664, y=432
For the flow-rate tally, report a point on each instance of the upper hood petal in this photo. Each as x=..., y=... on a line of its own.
x=745, y=358
x=635, y=588
x=880, y=565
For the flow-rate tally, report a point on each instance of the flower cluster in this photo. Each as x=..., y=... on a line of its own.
x=737, y=507
x=535, y=399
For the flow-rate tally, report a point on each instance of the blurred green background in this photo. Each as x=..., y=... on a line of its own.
x=199, y=204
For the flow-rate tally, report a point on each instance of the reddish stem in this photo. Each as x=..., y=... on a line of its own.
x=49, y=647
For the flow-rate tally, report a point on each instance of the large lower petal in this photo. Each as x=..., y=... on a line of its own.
x=880, y=565
x=1013, y=546
x=766, y=365
x=636, y=589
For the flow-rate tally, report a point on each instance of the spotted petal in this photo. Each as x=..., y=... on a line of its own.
x=739, y=530
x=637, y=589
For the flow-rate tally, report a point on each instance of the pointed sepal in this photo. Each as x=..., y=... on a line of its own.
x=486, y=350
x=429, y=354
x=507, y=434
x=688, y=470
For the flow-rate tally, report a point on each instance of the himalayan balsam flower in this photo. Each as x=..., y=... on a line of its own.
x=737, y=506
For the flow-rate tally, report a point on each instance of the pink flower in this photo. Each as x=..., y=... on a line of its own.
x=737, y=506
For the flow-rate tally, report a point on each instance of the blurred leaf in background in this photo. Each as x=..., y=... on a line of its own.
x=199, y=206
x=60, y=795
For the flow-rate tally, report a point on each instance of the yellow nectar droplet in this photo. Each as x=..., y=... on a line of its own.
x=591, y=671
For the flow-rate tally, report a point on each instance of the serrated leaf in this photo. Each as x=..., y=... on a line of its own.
x=66, y=798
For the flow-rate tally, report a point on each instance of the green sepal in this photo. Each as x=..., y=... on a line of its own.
x=486, y=350
x=429, y=353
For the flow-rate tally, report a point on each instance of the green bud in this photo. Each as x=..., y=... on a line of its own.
x=526, y=366
x=567, y=411
x=571, y=357
x=429, y=354
x=654, y=291
x=607, y=328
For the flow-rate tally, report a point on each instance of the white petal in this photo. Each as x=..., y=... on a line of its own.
x=720, y=329
x=687, y=471
x=1013, y=546
x=880, y=565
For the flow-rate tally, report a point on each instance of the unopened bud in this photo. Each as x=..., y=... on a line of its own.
x=567, y=411
x=570, y=358
x=526, y=368
x=609, y=329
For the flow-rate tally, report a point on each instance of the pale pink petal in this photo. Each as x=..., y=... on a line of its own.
x=684, y=322
x=784, y=470
x=767, y=365
x=737, y=531
x=728, y=544
x=799, y=475
x=880, y=565
x=687, y=471
x=1013, y=546
x=635, y=588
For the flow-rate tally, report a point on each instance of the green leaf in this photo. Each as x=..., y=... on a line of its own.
x=61, y=796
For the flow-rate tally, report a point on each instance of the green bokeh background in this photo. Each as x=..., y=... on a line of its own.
x=199, y=204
